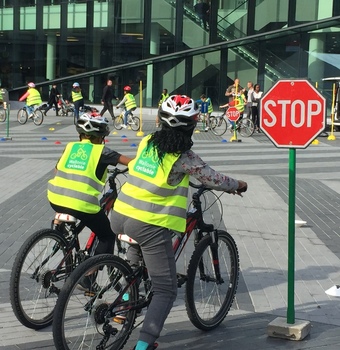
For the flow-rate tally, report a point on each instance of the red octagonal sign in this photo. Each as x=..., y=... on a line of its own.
x=292, y=113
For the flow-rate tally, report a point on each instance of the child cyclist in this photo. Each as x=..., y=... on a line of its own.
x=206, y=108
x=129, y=103
x=153, y=202
x=80, y=176
x=32, y=97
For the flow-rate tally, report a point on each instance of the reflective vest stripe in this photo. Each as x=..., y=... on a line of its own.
x=152, y=188
x=154, y=208
x=130, y=101
x=33, y=98
x=76, y=96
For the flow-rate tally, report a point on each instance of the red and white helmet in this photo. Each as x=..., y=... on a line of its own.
x=180, y=112
x=31, y=85
x=127, y=88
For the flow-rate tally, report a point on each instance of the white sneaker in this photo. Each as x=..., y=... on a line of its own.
x=30, y=116
x=207, y=128
x=124, y=126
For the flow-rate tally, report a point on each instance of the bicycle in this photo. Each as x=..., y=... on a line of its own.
x=133, y=121
x=64, y=107
x=104, y=318
x=220, y=124
x=47, y=258
x=3, y=112
x=37, y=115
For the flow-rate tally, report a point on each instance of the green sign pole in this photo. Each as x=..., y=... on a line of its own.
x=291, y=235
x=7, y=121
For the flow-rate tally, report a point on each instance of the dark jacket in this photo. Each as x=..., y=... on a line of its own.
x=108, y=94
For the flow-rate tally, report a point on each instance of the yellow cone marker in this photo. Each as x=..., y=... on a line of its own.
x=51, y=129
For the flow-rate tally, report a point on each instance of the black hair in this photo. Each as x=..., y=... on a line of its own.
x=169, y=140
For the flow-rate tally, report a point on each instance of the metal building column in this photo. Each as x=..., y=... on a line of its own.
x=188, y=76
x=213, y=38
x=63, y=46
x=179, y=25
x=291, y=13
x=261, y=65
x=146, y=29
x=223, y=77
x=251, y=17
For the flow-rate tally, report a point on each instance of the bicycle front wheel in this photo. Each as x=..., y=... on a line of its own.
x=34, y=283
x=134, y=123
x=209, y=298
x=38, y=117
x=118, y=122
x=89, y=320
x=3, y=114
x=22, y=116
x=246, y=127
x=219, y=125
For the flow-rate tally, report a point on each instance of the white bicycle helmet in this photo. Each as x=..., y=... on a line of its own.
x=31, y=85
x=93, y=126
x=75, y=85
x=179, y=111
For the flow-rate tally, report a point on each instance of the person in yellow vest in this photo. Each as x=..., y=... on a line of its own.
x=80, y=176
x=162, y=98
x=206, y=109
x=77, y=98
x=32, y=97
x=153, y=202
x=129, y=103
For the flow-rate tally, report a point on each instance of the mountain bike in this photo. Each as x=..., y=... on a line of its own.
x=133, y=121
x=37, y=115
x=220, y=124
x=48, y=257
x=105, y=316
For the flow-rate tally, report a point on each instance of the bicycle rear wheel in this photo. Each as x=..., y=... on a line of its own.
x=32, y=291
x=22, y=116
x=86, y=320
x=38, y=117
x=3, y=114
x=208, y=299
x=134, y=123
x=219, y=125
x=246, y=127
x=118, y=122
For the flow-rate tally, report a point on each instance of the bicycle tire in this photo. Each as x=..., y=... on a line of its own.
x=207, y=302
x=33, y=298
x=219, y=125
x=22, y=116
x=80, y=317
x=118, y=122
x=3, y=114
x=38, y=117
x=246, y=127
x=135, y=123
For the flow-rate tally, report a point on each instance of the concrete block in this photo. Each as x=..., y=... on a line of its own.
x=279, y=328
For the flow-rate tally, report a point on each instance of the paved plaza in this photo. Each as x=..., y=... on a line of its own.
x=258, y=222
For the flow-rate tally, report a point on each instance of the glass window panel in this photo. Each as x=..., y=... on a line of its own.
x=312, y=10
x=270, y=15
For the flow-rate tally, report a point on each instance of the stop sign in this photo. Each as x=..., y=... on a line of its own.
x=233, y=114
x=292, y=113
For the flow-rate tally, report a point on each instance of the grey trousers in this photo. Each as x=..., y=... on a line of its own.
x=156, y=245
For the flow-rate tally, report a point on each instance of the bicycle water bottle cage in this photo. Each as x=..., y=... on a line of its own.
x=126, y=238
x=65, y=218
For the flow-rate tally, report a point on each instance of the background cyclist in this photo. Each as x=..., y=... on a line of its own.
x=80, y=176
x=129, y=103
x=153, y=202
x=32, y=97
x=77, y=98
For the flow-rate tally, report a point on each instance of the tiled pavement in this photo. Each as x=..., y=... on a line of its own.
x=258, y=222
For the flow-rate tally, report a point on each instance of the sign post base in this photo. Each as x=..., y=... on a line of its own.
x=279, y=328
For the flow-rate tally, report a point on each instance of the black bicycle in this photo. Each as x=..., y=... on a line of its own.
x=48, y=257
x=105, y=316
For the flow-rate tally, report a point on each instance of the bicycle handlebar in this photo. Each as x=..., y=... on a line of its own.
x=117, y=171
x=202, y=187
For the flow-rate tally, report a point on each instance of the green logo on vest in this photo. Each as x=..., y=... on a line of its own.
x=79, y=156
x=147, y=163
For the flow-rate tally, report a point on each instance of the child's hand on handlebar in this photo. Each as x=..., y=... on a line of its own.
x=242, y=187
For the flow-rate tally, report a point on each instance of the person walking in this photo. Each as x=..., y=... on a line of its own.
x=250, y=89
x=162, y=98
x=77, y=99
x=106, y=100
x=255, y=108
x=53, y=100
x=129, y=104
x=153, y=202
x=80, y=176
x=32, y=97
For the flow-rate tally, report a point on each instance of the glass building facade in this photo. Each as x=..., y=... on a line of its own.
x=156, y=44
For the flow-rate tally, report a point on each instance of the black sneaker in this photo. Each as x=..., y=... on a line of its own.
x=88, y=285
